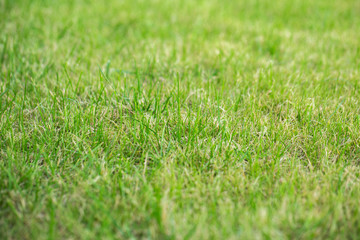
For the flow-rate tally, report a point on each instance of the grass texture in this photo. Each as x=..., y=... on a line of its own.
x=207, y=119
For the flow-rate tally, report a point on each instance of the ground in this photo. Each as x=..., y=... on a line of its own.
x=208, y=119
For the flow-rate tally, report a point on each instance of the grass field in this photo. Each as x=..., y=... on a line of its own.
x=209, y=119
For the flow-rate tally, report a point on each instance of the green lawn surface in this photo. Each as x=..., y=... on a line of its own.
x=179, y=119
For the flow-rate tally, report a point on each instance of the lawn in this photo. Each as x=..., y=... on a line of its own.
x=179, y=119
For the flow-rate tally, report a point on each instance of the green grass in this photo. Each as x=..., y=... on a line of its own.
x=210, y=119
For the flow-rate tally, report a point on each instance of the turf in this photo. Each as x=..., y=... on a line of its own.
x=209, y=119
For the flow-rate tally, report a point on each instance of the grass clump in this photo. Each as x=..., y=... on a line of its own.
x=179, y=119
